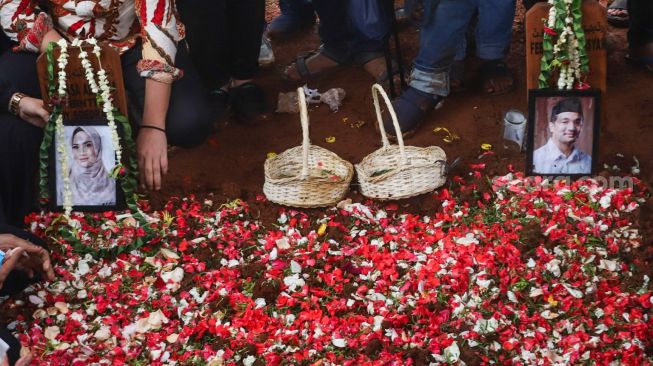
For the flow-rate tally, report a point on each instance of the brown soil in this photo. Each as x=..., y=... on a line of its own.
x=230, y=164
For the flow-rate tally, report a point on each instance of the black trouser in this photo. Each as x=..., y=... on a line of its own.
x=188, y=122
x=14, y=283
x=5, y=44
x=640, y=13
x=224, y=38
x=342, y=39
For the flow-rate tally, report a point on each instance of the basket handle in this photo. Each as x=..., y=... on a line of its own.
x=306, y=143
x=376, y=90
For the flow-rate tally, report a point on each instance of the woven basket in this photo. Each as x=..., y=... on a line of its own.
x=306, y=175
x=398, y=171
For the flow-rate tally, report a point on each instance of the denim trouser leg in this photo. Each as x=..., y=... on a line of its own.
x=443, y=29
x=641, y=23
x=494, y=28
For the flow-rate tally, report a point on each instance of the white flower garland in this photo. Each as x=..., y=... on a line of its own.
x=567, y=41
x=62, y=62
x=101, y=89
x=104, y=90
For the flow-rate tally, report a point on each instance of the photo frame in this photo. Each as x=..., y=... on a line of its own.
x=563, y=132
x=90, y=161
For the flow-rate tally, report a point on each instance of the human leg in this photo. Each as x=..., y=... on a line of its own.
x=493, y=35
x=208, y=39
x=640, y=33
x=188, y=121
x=19, y=140
x=295, y=15
x=618, y=13
x=443, y=28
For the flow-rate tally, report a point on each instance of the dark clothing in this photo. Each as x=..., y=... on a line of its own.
x=19, y=140
x=224, y=38
x=13, y=354
x=640, y=13
x=188, y=123
x=16, y=282
x=297, y=9
x=5, y=44
x=342, y=39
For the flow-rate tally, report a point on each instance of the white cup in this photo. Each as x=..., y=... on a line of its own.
x=514, y=127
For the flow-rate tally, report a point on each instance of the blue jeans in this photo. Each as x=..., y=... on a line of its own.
x=492, y=29
x=443, y=32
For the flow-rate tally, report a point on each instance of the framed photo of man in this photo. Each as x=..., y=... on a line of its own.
x=85, y=169
x=563, y=132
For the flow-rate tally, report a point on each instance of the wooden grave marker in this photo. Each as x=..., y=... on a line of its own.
x=81, y=103
x=595, y=24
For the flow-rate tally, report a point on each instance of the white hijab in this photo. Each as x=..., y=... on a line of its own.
x=92, y=185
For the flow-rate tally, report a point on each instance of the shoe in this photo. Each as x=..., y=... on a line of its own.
x=266, y=55
x=411, y=109
x=248, y=102
x=285, y=24
x=218, y=103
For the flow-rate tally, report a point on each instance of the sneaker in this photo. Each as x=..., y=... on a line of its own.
x=266, y=55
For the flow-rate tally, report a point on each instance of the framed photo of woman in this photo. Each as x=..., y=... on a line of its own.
x=85, y=176
x=563, y=132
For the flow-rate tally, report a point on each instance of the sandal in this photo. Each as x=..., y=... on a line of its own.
x=619, y=18
x=411, y=109
x=303, y=70
x=248, y=102
x=493, y=70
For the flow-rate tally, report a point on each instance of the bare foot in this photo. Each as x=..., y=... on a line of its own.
x=377, y=68
x=496, y=77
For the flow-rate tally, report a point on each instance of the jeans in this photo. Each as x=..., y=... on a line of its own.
x=492, y=29
x=640, y=13
x=443, y=31
x=342, y=41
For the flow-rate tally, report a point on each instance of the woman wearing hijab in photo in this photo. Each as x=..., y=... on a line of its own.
x=90, y=182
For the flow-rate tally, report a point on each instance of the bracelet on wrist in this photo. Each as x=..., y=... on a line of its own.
x=153, y=128
x=14, y=103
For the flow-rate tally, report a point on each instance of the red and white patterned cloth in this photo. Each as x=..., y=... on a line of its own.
x=119, y=22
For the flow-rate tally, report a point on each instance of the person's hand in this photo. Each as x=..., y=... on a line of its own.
x=24, y=256
x=152, y=149
x=32, y=110
x=25, y=360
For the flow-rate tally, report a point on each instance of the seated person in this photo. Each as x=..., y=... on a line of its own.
x=560, y=154
x=22, y=264
x=169, y=108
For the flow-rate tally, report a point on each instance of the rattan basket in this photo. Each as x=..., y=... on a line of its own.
x=398, y=171
x=306, y=175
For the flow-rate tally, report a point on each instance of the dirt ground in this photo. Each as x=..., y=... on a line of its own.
x=230, y=164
